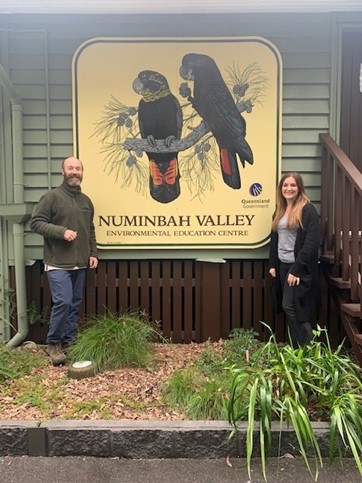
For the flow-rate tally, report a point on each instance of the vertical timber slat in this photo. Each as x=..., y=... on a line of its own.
x=177, y=331
x=198, y=304
x=268, y=302
x=90, y=295
x=156, y=291
x=111, y=287
x=134, y=287
x=235, y=293
x=258, y=297
x=101, y=288
x=123, y=298
x=188, y=301
x=166, y=298
x=144, y=302
x=225, y=293
x=246, y=321
x=210, y=301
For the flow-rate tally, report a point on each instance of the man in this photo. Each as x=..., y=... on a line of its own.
x=64, y=217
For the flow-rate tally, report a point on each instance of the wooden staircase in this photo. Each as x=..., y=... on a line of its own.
x=341, y=220
x=349, y=311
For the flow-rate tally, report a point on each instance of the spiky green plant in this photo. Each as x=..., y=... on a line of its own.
x=113, y=341
x=289, y=388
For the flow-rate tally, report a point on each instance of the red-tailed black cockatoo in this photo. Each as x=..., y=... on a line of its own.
x=215, y=105
x=159, y=117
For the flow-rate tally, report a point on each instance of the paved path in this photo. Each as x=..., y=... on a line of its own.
x=107, y=470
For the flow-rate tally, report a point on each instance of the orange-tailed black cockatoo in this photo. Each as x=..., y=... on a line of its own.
x=159, y=117
x=215, y=105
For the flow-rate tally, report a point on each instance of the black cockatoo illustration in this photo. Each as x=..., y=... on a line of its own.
x=214, y=103
x=159, y=117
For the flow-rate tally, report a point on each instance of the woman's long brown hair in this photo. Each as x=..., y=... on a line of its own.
x=295, y=215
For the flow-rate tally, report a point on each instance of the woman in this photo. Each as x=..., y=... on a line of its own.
x=293, y=261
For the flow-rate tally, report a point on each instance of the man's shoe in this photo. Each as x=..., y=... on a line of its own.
x=56, y=354
x=66, y=346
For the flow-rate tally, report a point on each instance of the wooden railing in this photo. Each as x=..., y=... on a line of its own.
x=341, y=219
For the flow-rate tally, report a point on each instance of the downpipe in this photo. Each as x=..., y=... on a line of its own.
x=20, y=287
x=18, y=228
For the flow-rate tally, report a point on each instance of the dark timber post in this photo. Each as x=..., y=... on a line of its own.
x=210, y=306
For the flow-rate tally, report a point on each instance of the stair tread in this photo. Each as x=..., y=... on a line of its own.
x=339, y=282
x=358, y=338
x=327, y=258
x=353, y=309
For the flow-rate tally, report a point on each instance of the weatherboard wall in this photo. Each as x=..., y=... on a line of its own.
x=37, y=52
x=194, y=300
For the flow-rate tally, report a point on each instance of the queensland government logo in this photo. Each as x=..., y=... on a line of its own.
x=255, y=189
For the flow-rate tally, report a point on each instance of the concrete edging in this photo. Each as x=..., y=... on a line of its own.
x=141, y=439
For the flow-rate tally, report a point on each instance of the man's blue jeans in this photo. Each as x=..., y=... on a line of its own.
x=66, y=287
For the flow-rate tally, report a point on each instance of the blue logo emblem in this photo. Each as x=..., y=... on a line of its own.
x=255, y=189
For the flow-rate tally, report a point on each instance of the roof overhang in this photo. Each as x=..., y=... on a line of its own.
x=172, y=7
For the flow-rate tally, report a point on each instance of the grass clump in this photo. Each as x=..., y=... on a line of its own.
x=114, y=341
x=15, y=363
x=201, y=391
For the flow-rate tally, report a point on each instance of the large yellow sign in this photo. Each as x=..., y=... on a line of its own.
x=180, y=140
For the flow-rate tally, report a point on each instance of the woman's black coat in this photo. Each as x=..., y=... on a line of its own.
x=307, y=294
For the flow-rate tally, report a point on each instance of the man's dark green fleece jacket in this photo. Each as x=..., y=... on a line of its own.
x=60, y=209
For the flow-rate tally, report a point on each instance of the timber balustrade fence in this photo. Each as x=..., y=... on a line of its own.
x=194, y=301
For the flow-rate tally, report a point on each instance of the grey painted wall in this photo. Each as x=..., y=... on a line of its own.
x=37, y=51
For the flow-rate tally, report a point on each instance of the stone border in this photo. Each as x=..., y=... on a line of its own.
x=141, y=439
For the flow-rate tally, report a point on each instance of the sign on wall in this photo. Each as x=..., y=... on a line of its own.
x=180, y=140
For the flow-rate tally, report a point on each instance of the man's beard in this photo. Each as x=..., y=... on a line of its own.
x=73, y=180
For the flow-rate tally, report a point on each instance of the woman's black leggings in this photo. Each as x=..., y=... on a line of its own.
x=300, y=333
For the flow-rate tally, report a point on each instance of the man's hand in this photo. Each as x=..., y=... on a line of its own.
x=93, y=262
x=272, y=272
x=70, y=235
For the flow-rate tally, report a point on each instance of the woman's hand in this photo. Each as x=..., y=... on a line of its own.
x=292, y=280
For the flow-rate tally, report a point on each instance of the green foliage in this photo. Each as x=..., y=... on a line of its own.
x=9, y=301
x=115, y=341
x=179, y=388
x=36, y=316
x=237, y=380
x=197, y=394
x=243, y=346
x=40, y=394
x=201, y=391
x=209, y=402
x=297, y=386
x=83, y=408
x=18, y=362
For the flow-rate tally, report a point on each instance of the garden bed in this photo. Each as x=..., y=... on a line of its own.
x=47, y=393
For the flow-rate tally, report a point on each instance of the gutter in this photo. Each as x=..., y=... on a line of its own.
x=22, y=214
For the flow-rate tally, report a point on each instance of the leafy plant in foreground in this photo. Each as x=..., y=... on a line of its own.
x=283, y=390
